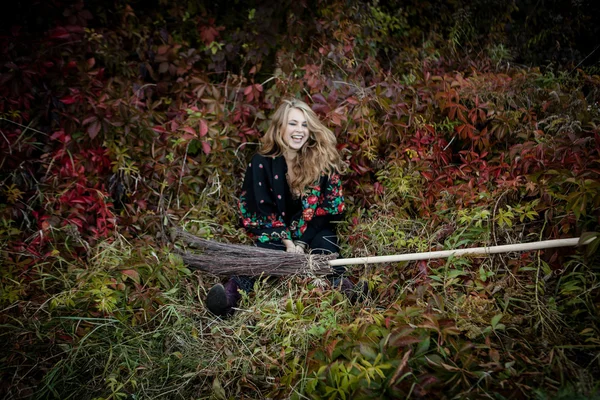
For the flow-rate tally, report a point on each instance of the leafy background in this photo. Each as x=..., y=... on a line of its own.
x=462, y=123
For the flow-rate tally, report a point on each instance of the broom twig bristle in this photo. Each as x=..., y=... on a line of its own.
x=237, y=259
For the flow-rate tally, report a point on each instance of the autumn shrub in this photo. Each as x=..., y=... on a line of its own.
x=119, y=124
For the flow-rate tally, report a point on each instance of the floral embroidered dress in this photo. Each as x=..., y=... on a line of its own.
x=269, y=213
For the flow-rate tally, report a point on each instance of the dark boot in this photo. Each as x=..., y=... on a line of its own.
x=221, y=299
x=342, y=284
x=232, y=291
x=354, y=293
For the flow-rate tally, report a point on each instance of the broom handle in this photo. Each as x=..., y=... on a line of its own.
x=544, y=244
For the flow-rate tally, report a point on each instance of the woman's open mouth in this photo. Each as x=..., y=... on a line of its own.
x=297, y=138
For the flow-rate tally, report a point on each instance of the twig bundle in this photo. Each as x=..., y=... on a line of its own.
x=235, y=259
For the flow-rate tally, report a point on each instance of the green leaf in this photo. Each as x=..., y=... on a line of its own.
x=367, y=351
x=495, y=319
x=299, y=307
x=592, y=248
x=456, y=272
x=423, y=347
x=311, y=385
x=591, y=240
x=218, y=391
x=587, y=237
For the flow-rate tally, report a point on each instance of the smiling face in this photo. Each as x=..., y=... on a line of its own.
x=295, y=131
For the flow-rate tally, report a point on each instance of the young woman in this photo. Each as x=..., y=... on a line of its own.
x=291, y=196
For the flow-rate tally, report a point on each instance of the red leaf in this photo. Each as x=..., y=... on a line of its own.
x=162, y=49
x=321, y=108
x=59, y=33
x=208, y=34
x=335, y=119
x=142, y=204
x=403, y=341
x=359, y=168
x=78, y=201
x=93, y=129
x=133, y=274
x=159, y=129
x=187, y=136
x=68, y=99
x=319, y=98
x=189, y=130
x=423, y=268
x=89, y=120
x=203, y=128
x=206, y=147
x=76, y=221
x=58, y=135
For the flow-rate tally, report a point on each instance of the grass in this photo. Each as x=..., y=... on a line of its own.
x=447, y=328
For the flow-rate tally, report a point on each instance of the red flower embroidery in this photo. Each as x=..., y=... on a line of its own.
x=308, y=214
x=246, y=222
x=321, y=212
x=277, y=224
x=312, y=199
x=341, y=208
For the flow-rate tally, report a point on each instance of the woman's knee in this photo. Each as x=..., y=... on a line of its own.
x=326, y=242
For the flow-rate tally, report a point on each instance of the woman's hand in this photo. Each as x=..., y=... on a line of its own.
x=299, y=249
x=291, y=247
x=295, y=249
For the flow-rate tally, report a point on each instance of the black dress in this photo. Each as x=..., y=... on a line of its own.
x=270, y=213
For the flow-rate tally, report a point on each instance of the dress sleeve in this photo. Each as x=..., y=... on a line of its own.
x=329, y=207
x=259, y=210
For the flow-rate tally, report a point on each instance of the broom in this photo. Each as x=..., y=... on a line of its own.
x=235, y=259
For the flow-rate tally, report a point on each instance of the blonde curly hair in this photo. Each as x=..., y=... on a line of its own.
x=319, y=155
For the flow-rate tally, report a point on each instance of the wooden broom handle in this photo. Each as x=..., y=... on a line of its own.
x=544, y=244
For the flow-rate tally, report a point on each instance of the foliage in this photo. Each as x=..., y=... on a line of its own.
x=120, y=123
